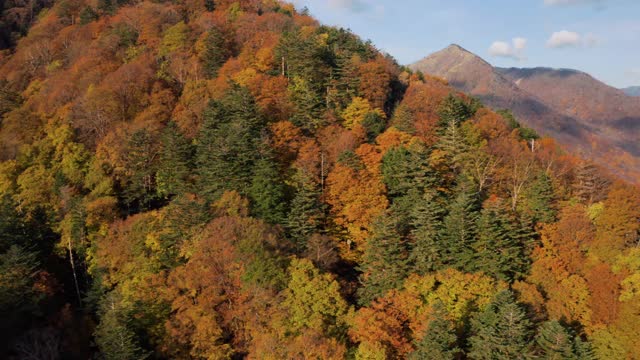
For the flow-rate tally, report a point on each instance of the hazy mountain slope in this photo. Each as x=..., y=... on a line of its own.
x=633, y=90
x=575, y=93
x=584, y=114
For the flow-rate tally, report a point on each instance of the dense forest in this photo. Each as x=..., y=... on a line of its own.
x=230, y=179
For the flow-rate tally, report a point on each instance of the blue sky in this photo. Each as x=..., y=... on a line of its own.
x=600, y=37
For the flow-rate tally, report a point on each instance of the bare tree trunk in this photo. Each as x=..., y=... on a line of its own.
x=73, y=270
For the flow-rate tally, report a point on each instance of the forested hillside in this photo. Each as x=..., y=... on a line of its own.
x=231, y=179
x=585, y=116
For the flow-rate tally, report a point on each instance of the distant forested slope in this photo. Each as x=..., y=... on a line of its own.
x=225, y=180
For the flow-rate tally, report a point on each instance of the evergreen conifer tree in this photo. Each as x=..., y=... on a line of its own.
x=307, y=113
x=540, y=199
x=115, y=339
x=216, y=50
x=175, y=162
x=140, y=187
x=427, y=251
x=268, y=192
x=554, y=341
x=460, y=228
x=453, y=146
x=228, y=144
x=501, y=331
x=497, y=249
x=305, y=214
x=344, y=81
x=454, y=109
x=439, y=341
x=384, y=263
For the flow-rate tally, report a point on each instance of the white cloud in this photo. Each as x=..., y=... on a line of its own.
x=519, y=43
x=504, y=49
x=564, y=38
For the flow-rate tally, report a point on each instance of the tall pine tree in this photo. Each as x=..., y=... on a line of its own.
x=268, y=192
x=460, y=228
x=498, y=251
x=439, y=342
x=427, y=249
x=175, y=164
x=217, y=50
x=228, y=144
x=140, y=187
x=305, y=214
x=539, y=199
x=501, y=331
x=555, y=342
x=384, y=263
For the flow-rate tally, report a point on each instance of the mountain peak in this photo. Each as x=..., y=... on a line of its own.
x=568, y=104
x=453, y=58
x=456, y=47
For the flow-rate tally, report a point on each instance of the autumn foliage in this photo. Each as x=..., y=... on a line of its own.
x=231, y=179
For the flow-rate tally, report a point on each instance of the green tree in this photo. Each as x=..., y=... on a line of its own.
x=554, y=341
x=404, y=169
x=501, y=331
x=396, y=171
x=406, y=174
x=453, y=146
x=141, y=159
x=455, y=109
x=305, y=214
x=13, y=230
x=175, y=165
x=460, y=228
x=439, y=342
x=301, y=56
x=427, y=250
x=217, y=50
x=384, y=263
x=87, y=15
x=402, y=119
x=268, y=192
x=374, y=124
x=21, y=294
x=498, y=251
x=210, y=5
x=18, y=268
x=308, y=107
x=344, y=81
x=511, y=121
x=114, y=337
x=228, y=144
x=539, y=199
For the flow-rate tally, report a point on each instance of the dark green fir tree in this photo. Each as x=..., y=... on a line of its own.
x=228, y=144
x=305, y=215
x=501, y=331
x=384, y=262
x=460, y=228
x=267, y=192
x=498, y=251
x=174, y=169
x=440, y=341
x=427, y=249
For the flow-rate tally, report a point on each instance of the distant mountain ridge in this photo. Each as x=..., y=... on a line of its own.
x=583, y=114
x=632, y=90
